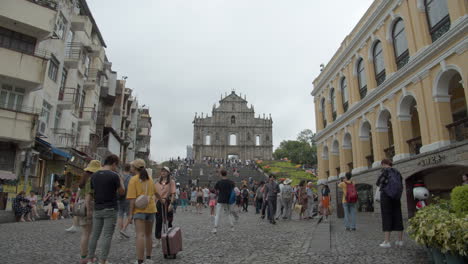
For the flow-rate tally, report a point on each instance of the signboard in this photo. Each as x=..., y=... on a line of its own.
x=432, y=160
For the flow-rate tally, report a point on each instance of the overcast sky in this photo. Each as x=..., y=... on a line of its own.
x=181, y=55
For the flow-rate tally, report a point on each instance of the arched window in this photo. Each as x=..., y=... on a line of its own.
x=257, y=140
x=344, y=94
x=233, y=120
x=208, y=140
x=400, y=44
x=324, y=115
x=361, y=74
x=333, y=102
x=379, y=64
x=437, y=17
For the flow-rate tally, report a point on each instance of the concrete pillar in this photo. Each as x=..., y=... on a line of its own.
x=402, y=131
x=408, y=19
x=369, y=68
x=352, y=81
x=389, y=54
x=334, y=163
x=423, y=113
x=379, y=142
x=419, y=24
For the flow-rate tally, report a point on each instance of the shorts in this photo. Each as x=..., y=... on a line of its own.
x=199, y=199
x=84, y=220
x=144, y=216
x=123, y=207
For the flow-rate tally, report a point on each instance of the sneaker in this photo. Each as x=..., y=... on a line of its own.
x=214, y=230
x=72, y=229
x=385, y=244
x=232, y=229
x=124, y=234
x=399, y=243
x=353, y=229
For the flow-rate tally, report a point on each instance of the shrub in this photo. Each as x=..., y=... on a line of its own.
x=459, y=200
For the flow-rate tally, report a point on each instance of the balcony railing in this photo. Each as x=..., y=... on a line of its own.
x=20, y=108
x=74, y=51
x=415, y=145
x=458, y=130
x=390, y=152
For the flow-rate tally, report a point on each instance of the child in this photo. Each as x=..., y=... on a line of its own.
x=212, y=202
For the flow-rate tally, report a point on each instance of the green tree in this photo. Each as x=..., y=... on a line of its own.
x=298, y=152
x=307, y=136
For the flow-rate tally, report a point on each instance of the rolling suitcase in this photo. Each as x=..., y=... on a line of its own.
x=171, y=238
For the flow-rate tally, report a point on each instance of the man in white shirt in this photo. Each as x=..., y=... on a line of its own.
x=206, y=195
x=280, y=206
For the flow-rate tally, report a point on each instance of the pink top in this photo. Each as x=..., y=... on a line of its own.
x=165, y=189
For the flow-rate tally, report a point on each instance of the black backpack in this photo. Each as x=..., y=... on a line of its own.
x=126, y=180
x=245, y=193
x=394, y=186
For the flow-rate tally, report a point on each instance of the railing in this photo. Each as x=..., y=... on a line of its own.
x=380, y=77
x=88, y=112
x=21, y=108
x=64, y=138
x=67, y=94
x=415, y=145
x=74, y=50
x=402, y=60
x=51, y=4
x=440, y=28
x=390, y=152
x=93, y=74
x=458, y=130
x=8, y=166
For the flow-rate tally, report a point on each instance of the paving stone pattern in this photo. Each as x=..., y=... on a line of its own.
x=253, y=241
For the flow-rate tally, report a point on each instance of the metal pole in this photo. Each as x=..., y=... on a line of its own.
x=27, y=165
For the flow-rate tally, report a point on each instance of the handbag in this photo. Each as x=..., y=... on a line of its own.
x=60, y=206
x=377, y=194
x=142, y=201
x=298, y=208
x=79, y=209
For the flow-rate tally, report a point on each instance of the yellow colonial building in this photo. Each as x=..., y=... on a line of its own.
x=397, y=88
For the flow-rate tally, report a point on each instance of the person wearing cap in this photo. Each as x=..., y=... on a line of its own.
x=142, y=184
x=105, y=185
x=287, y=196
x=166, y=188
x=86, y=222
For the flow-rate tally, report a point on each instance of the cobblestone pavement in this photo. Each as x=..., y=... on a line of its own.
x=253, y=241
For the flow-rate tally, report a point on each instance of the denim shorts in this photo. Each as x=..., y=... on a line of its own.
x=144, y=216
x=123, y=208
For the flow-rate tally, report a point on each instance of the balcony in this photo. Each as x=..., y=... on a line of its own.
x=458, y=130
x=75, y=56
x=67, y=98
x=64, y=138
x=81, y=23
x=26, y=69
x=36, y=17
x=415, y=145
x=87, y=115
x=94, y=79
x=18, y=123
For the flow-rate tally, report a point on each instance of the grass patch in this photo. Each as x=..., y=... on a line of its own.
x=286, y=169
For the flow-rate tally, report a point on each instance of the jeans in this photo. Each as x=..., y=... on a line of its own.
x=103, y=222
x=159, y=218
x=272, y=208
x=287, y=203
x=227, y=210
x=258, y=205
x=280, y=207
x=350, y=215
x=310, y=207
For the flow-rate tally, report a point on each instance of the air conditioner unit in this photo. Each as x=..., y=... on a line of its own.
x=42, y=127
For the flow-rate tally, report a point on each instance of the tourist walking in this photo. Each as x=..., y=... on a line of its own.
x=193, y=197
x=349, y=202
x=106, y=184
x=224, y=187
x=183, y=199
x=206, y=196
x=302, y=198
x=325, y=201
x=287, y=197
x=245, y=198
x=271, y=194
x=166, y=189
x=259, y=197
x=199, y=200
x=238, y=198
x=212, y=202
x=310, y=201
x=124, y=204
x=86, y=222
x=141, y=195
x=280, y=201
x=391, y=186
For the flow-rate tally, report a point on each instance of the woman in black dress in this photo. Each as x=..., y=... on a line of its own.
x=21, y=207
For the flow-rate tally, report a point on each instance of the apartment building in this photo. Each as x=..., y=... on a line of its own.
x=396, y=88
x=143, y=136
x=59, y=97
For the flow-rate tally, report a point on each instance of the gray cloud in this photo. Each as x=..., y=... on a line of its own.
x=181, y=55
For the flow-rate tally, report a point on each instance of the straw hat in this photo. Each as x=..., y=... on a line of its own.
x=93, y=166
x=166, y=169
x=138, y=163
x=287, y=181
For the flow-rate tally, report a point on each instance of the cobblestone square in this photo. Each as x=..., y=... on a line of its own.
x=253, y=241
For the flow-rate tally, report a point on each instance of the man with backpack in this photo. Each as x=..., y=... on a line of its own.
x=350, y=199
x=245, y=198
x=123, y=204
x=390, y=183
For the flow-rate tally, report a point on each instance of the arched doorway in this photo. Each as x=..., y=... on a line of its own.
x=411, y=130
x=365, y=197
x=439, y=181
x=449, y=88
x=366, y=143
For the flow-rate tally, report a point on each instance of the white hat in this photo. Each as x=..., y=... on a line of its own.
x=287, y=181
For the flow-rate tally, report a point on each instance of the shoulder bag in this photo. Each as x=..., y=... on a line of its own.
x=79, y=209
x=142, y=201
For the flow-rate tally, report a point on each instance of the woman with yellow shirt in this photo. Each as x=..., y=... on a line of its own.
x=142, y=184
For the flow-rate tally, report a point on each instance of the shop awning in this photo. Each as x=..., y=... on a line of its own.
x=6, y=175
x=54, y=150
